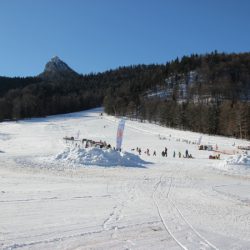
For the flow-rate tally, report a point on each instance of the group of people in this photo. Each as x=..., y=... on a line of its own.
x=217, y=157
x=186, y=155
x=100, y=144
x=147, y=151
x=164, y=153
x=87, y=143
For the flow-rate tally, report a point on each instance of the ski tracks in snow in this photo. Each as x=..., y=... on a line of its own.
x=162, y=218
x=175, y=223
x=173, y=220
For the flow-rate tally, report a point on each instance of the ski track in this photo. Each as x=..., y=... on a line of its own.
x=190, y=232
x=162, y=219
x=204, y=241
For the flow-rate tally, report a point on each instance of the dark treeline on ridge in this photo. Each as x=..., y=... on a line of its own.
x=203, y=93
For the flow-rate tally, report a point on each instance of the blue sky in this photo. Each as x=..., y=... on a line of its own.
x=97, y=35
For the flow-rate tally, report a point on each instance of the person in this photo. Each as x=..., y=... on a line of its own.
x=154, y=154
x=179, y=154
x=163, y=153
x=166, y=152
x=139, y=150
x=186, y=153
x=174, y=154
x=148, y=151
x=217, y=157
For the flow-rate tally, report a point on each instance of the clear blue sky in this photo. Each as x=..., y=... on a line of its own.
x=96, y=35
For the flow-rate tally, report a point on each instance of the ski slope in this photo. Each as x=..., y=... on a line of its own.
x=55, y=195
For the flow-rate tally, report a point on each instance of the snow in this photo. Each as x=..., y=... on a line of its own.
x=58, y=195
x=159, y=93
x=237, y=164
x=4, y=136
x=241, y=160
x=98, y=157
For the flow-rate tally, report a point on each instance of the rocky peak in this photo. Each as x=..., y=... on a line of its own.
x=56, y=69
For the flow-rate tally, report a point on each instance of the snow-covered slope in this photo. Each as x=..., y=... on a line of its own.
x=58, y=195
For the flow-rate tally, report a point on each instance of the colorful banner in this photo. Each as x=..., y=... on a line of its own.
x=119, y=135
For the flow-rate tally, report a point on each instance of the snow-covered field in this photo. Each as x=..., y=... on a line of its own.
x=55, y=195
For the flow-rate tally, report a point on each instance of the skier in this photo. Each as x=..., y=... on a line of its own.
x=154, y=154
x=179, y=154
x=174, y=154
x=186, y=153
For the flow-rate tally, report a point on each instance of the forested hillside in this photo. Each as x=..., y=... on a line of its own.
x=205, y=93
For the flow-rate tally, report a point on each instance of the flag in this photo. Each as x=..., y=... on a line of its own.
x=199, y=140
x=119, y=135
x=78, y=134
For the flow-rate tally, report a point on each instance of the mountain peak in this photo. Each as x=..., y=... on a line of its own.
x=57, y=69
x=55, y=59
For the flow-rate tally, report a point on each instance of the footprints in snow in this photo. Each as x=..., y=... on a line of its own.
x=114, y=217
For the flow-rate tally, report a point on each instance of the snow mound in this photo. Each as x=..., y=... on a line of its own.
x=4, y=137
x=237, y=164
x=243, y=159
x=99, y=157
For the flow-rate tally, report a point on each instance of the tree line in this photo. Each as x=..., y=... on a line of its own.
x=217, y=101
x=204, y=93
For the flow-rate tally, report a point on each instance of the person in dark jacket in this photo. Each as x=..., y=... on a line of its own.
x=166, y=152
